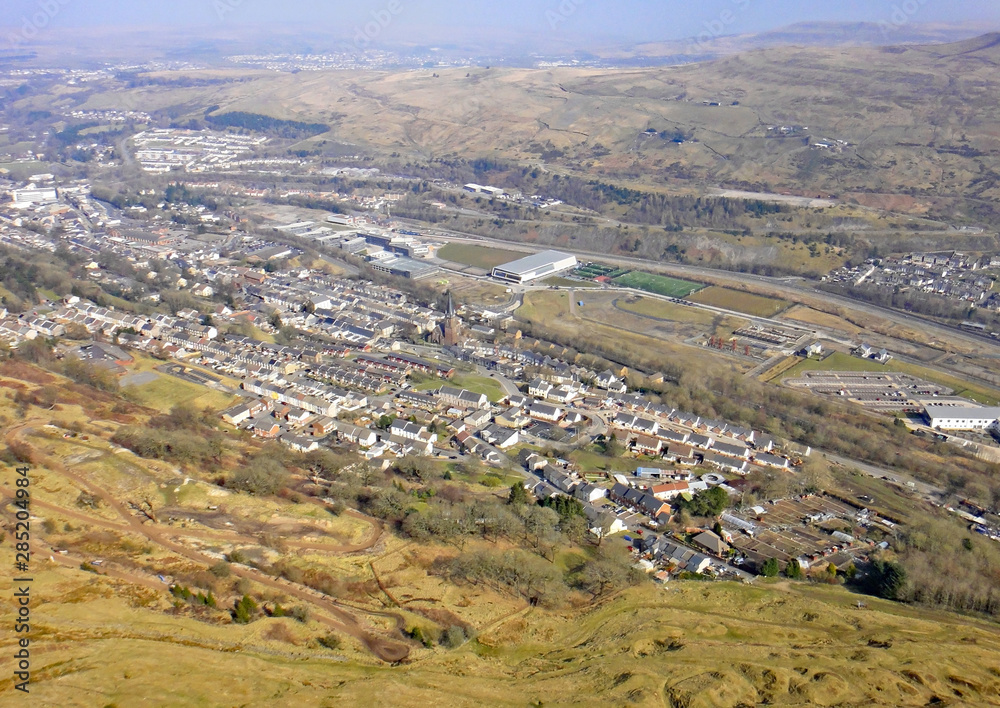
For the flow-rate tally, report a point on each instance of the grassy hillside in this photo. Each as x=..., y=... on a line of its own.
x=112, y=531
x=692, y=644
x=918, y=122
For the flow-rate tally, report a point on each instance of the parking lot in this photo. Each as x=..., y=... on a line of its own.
x=195, y=376
x=550, y=432
x=879, y=391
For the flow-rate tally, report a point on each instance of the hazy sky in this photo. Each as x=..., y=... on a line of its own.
x=633, y=20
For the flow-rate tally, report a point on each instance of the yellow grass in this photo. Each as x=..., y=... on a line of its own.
x=661, y=309
x=692, y=644
x=168, y=391
x=808, y=315
x=597, y=320
x=728, y=299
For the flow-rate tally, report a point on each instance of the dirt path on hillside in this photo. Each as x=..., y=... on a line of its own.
x=385, y=649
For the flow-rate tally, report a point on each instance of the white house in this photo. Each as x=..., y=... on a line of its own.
x=365, y=437
x=411, y=431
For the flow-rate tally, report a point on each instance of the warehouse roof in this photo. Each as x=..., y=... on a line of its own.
x=531, y=263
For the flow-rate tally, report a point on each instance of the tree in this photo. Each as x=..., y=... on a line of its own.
x=886, y=579
x=263, y=475
x=414, y=467
x=575, y=528
x=244, y=610
x=539, y=526
x=518, y=494
x=606, y=572
x=710, y=502
x=770, y=568
x=793, y=570
x=612, y=448
x=565, y=506
x=324, y=463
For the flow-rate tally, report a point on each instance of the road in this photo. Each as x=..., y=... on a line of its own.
x=928, y=491
x=784, y=286
x=509, y=387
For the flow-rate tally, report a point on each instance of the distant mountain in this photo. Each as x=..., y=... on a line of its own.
x=809, y=34
x=859, y=34
x=985, y=46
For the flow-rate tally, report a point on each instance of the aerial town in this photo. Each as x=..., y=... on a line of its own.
x=505, y=364
x=375, y=370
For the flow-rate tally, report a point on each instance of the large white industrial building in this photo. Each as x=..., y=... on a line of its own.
x=952, y=417
x=539, y=265
x=32, y=195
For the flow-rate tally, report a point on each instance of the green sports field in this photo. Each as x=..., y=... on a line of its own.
x=658, y=284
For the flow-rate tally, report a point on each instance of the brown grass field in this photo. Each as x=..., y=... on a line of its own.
x=807, y=315
x=751, y=304
x=478, y=256
x=648, y=340
x=102, y=642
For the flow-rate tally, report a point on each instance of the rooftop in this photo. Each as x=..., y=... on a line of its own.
x=531, y=263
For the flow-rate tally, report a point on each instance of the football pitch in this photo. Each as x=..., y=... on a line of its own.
x=659, y=284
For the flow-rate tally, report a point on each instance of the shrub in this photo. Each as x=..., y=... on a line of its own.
x=221, y=569
x=244, y=610
x=419, y=635
x=330, y=641
x=300, y=614
x=453, y=637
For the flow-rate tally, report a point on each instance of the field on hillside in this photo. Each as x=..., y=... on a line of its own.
x=691, y=644
x=756, y=305
x=167, y=391
x=658, y=284
x=918, y=155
